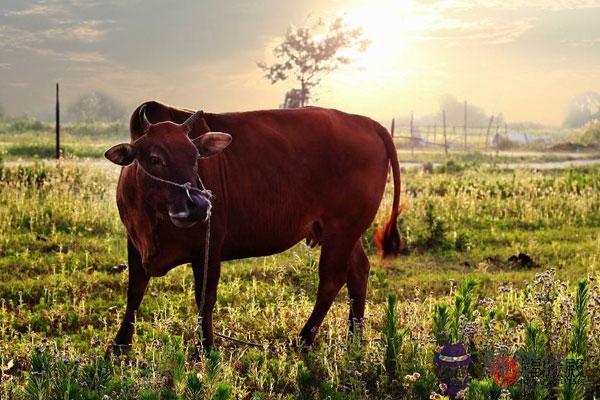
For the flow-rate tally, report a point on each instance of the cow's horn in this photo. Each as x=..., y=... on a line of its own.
x=144, y=119
x=189, y=123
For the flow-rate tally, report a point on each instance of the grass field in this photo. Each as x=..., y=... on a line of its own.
x=62, y=293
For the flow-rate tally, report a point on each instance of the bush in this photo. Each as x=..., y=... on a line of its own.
x=591, y=135
x=436, y=228
x=28, y=124
x=428, y=167
x=451, y=167
x=485, y=389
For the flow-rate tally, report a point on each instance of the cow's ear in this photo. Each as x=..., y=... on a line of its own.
x=121, y=154
x=212, y=143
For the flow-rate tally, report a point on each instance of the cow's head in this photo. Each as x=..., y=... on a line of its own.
x=168, y=161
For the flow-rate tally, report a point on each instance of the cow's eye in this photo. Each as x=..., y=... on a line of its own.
x=154, y=160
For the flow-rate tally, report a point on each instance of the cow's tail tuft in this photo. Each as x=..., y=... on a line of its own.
x=387, y=238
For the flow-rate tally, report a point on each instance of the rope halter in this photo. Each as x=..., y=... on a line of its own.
x=187, y=187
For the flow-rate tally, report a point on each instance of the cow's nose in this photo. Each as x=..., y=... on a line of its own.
x=196, y=208
x=197, y=202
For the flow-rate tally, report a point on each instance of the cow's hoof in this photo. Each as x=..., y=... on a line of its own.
x=200, y=352
x=116, y=349
x=302, y=344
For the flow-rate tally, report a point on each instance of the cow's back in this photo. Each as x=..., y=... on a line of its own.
x=289, y=172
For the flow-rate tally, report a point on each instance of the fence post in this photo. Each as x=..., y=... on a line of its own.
x=465, y=125
x=497, y=135
x=57, y=124
x=392, y=127
x=487, y=134
x=412, y=135
x=445, y=137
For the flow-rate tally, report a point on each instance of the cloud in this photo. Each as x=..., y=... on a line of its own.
x=488, y=30
x=18, y=84
x=85, y=57
x=56, y=41
x=585, y=43
x=86, y=31
x=42, y=8
x=554, y=5
x=53, y=20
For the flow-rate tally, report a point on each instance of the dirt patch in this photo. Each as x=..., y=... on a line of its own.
x=519, y=261
x=574, y=147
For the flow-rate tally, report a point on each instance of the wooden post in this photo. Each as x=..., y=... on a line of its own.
x=412, y=135
x=392, y=127
x=57, y=124
x=487, y=134
x=445, y=137
x=465, y=125
x=497, y=135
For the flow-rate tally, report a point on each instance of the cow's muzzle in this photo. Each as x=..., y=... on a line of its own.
x=196, y=208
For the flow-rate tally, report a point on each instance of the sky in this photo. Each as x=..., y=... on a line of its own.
x=525, y=59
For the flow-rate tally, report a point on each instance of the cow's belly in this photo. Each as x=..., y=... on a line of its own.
x=265, y=239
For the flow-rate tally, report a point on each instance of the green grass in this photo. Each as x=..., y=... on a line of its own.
x=60, y=237
x=27, y=139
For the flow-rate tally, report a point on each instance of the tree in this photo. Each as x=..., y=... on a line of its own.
x=307, y=55
x=96, y=107
x=455, y=112
x=1, y=111
x=583, y=108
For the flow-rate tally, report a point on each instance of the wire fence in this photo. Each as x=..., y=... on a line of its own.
x=495, y=136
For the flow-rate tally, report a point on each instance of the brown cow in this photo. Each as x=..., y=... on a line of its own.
x=309, y=173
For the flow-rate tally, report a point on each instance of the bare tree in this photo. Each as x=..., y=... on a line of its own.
x=307, y=55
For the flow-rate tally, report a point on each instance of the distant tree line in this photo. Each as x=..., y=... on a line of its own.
x=96, y=107
x=583, y=109
x=88, y=108
x=455, y=114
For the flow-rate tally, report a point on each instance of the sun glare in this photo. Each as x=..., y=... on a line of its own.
x=394, y=29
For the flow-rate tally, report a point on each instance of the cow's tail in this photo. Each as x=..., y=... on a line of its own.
x=387, y=238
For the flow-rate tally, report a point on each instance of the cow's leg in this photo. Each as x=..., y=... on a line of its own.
x=333, y=271
x=138, y=282
x=210, y=298
x=358, y=276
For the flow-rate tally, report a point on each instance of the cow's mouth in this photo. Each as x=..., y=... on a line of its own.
x=197, y=209
x=183, y=222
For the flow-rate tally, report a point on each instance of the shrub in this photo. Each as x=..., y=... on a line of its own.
x=591, y=135
x=436, y=228
x=532, y=359
x=462, y=241
x=428, y=167
x=392, y=339
x=484, y=389
x=28, y=124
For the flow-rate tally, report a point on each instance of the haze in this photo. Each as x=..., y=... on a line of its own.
x=526, y=59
